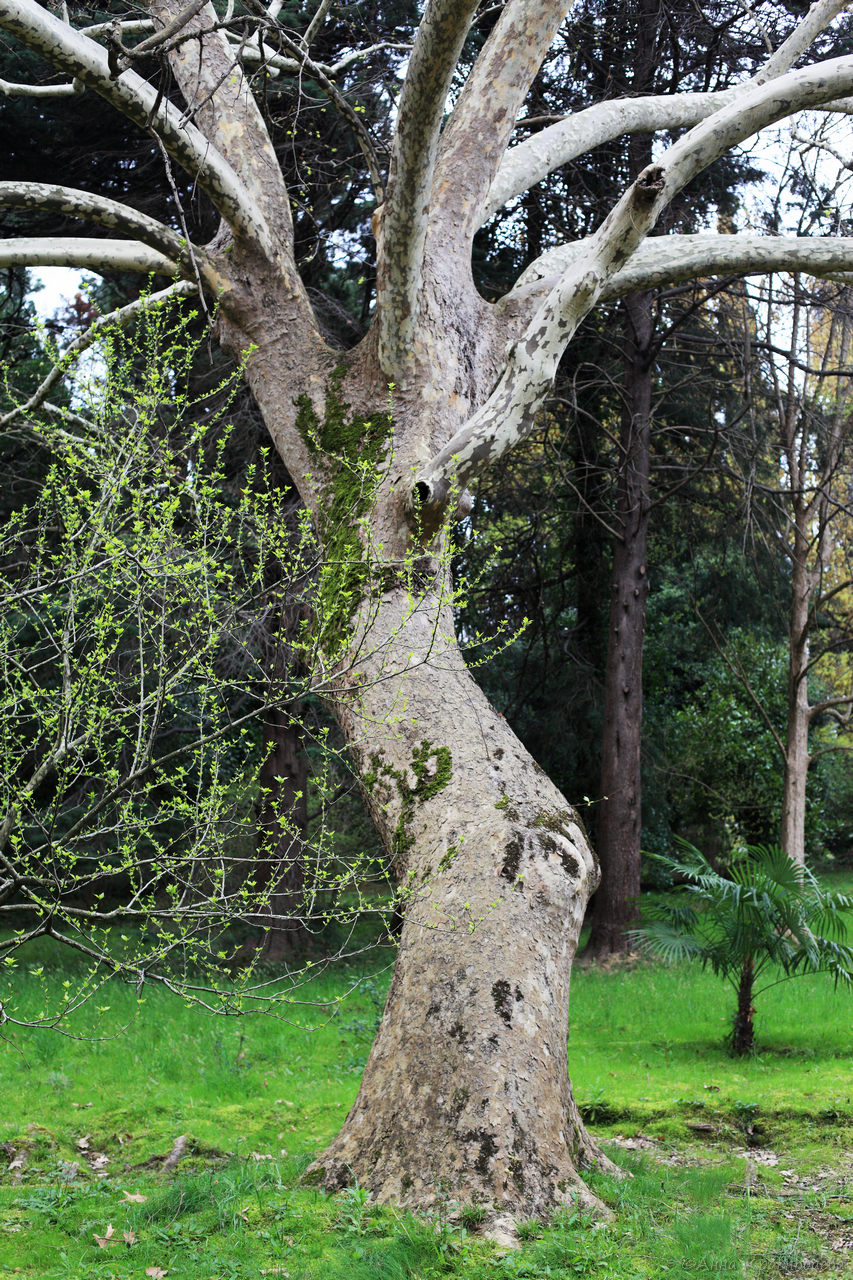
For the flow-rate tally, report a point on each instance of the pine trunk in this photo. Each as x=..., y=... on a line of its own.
x=620, y=820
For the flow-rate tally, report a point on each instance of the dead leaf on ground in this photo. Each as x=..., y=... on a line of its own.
x=134, y=1197
x=156, y=1273
x=106, y=1239
x=97, y=1159
x=17, y=1164
x=82, y=1144
x=257, y=1155
x=129, y=1237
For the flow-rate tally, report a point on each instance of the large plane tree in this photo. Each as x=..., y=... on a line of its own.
x=466, y=1090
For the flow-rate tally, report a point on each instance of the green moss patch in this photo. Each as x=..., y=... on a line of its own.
x=350, y=452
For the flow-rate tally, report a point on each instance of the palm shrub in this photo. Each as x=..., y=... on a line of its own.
x=766, y=917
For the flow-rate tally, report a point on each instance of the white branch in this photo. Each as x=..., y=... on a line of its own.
x=120, y=317
x=435, y=55
x=112, y=215
x=88, y=255
x=132, y=27
x=673, y=259
x=509, y=413
x=250, y=51
x=315, y=26
x=531, y=161
x=82, y=58
x=11, y=90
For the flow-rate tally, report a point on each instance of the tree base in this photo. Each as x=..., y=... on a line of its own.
x=531, y=1190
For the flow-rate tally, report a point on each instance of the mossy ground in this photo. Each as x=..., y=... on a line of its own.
x=740, y=1167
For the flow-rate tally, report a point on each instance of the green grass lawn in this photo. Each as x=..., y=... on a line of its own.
x=739, y=1167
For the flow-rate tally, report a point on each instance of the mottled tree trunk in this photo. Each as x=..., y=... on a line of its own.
x=466, y=1091
x=620, y=819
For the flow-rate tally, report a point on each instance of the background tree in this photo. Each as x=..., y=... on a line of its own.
x=769, y=914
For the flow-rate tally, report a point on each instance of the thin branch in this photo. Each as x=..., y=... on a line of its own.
x=156, y=41
x=11, y=90
x=122, y=316
x=362, y=134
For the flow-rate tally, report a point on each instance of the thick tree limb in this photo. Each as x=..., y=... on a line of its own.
x=87, y=254
x=108, y=213
x=532, y=160
x=81, y=57
x=483, y=119
x=673, y=259
x=508, y=415
x=220, y=101
x=434, y=57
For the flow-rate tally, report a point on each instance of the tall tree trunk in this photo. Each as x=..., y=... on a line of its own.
x=466, y=1088
x=282, y=823
x=620, y=819
x=793, y=826
x=466, y=1091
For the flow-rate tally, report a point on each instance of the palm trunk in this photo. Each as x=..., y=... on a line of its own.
x=743, y=1031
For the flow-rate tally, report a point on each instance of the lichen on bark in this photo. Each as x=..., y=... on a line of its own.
x=428, y=783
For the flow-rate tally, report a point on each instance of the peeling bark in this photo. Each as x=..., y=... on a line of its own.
x=466, y=1090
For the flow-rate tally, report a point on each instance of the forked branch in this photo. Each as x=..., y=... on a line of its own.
x=532, y=160
x=508, y=415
